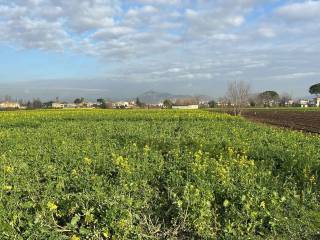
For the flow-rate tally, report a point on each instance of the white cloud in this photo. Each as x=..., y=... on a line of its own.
x=112, y=32
x=267, y=32
x=172, y=39
x=190, y=13
x=307, y=10
x=298, y=75
x=225, y=37
x=236, y=20
x=159, y=2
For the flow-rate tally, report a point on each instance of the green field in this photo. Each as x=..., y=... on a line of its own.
x=155, y=174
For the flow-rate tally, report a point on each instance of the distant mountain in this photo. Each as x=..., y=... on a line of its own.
x=153, y=97
x=91, y=89
x=203, y=97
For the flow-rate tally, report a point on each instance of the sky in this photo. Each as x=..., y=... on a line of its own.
x=178, y=46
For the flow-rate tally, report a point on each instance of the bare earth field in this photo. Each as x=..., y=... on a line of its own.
x=308, y=121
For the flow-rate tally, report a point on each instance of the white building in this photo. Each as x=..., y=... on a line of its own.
x=304, y=103
x=57, y=105
x=9, y=105
x=290, y=103
x=89, y=104
x=316, y=101
x=120, y=104
x=70, y=105
x=186, y=107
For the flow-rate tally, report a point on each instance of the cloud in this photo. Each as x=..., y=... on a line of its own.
x=307, y=10
x=159, y=2
x=162, y=40
x=267, y=32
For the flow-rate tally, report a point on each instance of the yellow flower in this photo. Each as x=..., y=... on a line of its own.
x=50, y=167
x=52, y=206
x=313, y=179
x=87, y=161
x=263, y=204
x=230, y=151
x=74, y=172
x=146, y=149
x=7, y=188
x=8, y=169
x=122, y=163
x=226, y=203
x=106, y=233
x=74, y=237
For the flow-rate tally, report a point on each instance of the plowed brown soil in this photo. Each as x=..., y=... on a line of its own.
x=308, y=121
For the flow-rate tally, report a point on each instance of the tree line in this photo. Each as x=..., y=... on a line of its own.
x=238, y=96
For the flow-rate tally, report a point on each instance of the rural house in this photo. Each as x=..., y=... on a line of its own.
x=70, y=105
x=304, y=103
x=316, y=102
x=186, y=107
x=9, y=105
x=57, y=105
x=120, y=104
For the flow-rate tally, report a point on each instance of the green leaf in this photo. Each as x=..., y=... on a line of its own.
x=75, y=220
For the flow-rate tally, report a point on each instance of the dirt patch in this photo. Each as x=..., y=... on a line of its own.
x=297, y=120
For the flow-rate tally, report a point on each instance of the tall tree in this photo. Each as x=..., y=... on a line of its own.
x=268, y=98
x=212, y=104
x=79, y=100
x=238, y=95
x=139, y=103
x=284, y=99
x=36, y=103
x=315, y=89
x=167, y=103
x=102, y=102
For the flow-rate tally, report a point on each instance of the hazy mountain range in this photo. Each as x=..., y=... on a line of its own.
x=68, y=90
x=109, y=89
x=151, y=97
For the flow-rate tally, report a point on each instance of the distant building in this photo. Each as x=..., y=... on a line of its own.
x=121, y=104
x=204, y=103
x=304, y=103
x=271, y=103
x=89, y=105
x=290, y=103
x=316, y=101
x=57, y=105
x=287, y=103
x=69, y=105
x=9, y=105
x=186, y=107
x=132, y=103
x=155, y=105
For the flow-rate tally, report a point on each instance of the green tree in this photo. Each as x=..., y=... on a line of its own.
x=36, y=103
x=315, y=89
x=167, y=103
x=212, y=104
x=79, y=100
x=139, y=103
x=102, y=102
x=269, y=98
